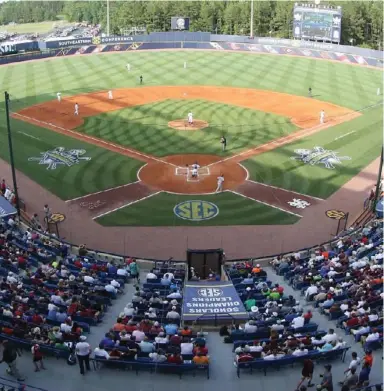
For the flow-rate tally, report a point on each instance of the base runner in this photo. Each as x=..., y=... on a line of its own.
x=110, y=94
x=322, y=116
x=58, y=96
x=76, y=109
x=190, y=118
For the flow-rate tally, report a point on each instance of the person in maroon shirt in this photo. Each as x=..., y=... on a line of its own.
x=200, y=349
x=130, y=327
x=175, y=340
x=145, y=325
x=37, y=319
x=175, y=358
x=353, y=321
x=307, y=317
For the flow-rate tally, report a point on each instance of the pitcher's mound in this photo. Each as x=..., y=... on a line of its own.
x=181, y=124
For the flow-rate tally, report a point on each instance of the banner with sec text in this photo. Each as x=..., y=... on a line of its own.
x=212, y=299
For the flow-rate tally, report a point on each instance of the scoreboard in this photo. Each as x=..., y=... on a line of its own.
x=317, y=22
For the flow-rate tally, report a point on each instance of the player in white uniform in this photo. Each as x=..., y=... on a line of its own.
x=110, y=95
x=195, y=170
x=59, y=96
x=322, y=116
x=128, y=67
x=76, y=109
x=220, y=180
x=190, y=118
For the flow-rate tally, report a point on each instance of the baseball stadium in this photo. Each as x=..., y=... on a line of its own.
x=203, y=207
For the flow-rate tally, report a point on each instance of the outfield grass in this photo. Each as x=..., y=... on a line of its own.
x=233, y=210
x=105, y=169
x=145, y=127
x=362, y=143
x=30, y=28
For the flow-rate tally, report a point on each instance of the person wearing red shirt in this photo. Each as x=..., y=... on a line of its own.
x=175, y=358
x=175, y=340
x=145, y=325
x=307, y=317
x=130, y=327
x=72, y=309
x=78, y=264
x=200, y=349
x=244, y=357
x=280, y=289
x=352, y=322
x=37, y=319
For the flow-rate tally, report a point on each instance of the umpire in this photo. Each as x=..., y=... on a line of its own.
x=223, y=141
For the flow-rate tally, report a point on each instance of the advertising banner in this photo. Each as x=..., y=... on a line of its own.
x=6, y=209
x=211, y=299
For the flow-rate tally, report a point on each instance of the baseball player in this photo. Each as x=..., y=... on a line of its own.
x=110, y=95
x=128, y=67
x=58, y=96
x=76, y=109
x=310, y=92
x=220, y=180
x=190, y=118
x=223, y=141
x=195, y=170
x=141, y=79
x=322, y=116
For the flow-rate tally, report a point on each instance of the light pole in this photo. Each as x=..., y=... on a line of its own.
x=11, y=159
x=108, y=18
x=251, y=19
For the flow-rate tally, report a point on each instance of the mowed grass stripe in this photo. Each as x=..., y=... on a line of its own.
x=233, y=210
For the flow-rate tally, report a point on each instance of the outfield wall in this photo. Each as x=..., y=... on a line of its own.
x=80, y=48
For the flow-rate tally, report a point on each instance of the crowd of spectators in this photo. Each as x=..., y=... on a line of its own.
x=148, y=329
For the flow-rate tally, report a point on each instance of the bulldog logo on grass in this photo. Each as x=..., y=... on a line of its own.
x=60, y=157
x=319, y=155
x=196, y=210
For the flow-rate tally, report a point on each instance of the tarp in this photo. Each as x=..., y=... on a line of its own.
x=212, y=299
x=6, y=209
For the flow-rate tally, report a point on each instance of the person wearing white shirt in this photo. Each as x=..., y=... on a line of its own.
x=139, y=335
x=250, y=327
x=256, y=348
x=151, y=276
x=110, y=288
x=129, y=310
x=278, y=326
x=340, y=344
x=330, y=337
x=297, y=322
x=173, y=314
x=331, y=273
x=56, y=299
x=83, y=350
x=161, y=338
x=175, y=295
x=300, y=352
x=158, y=356
x=373, y=336
x=122, y=272
x=11, y=279
x=355, y=362
x=343, y=307
x=273, y=356
x=65, y=328
x=115, y=284
x=311, y=290
x=101, y=352
x=186, y=347
x=361, y=330
x=89, y=279
x=372, y=317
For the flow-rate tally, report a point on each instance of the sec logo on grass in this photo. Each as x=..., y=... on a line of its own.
x=196, y=210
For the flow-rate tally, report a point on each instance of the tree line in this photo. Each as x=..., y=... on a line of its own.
x=362, y=22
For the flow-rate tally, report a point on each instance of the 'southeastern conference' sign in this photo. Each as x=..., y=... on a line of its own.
x=212, y=299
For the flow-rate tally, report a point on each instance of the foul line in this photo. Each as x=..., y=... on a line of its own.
x=103, y=191
x=28, y=135
x=95, y=139
x=243, y=167
x=343, y=135
x=123, y=206
x=264, y=203
x=286, y=190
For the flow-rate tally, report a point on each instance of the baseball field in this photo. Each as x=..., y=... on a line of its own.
x=125, y=159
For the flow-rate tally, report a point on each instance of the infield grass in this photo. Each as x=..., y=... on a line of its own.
x=233, y=210
x=145, y=127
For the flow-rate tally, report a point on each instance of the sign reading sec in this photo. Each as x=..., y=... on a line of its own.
x=196, y=210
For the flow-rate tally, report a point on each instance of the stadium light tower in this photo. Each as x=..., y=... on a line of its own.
x=108, y=18
x=251, y=19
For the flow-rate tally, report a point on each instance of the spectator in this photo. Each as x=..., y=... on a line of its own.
x=327, y=382
x=10, y=354
x=200, y=359
x=37, y=357
x=351, y=380
x=330, y=336
x=364, y=375
x=134, y=270
x=83, y=350
x=158, y=356
x=306, y=373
